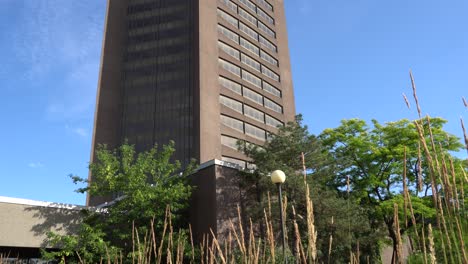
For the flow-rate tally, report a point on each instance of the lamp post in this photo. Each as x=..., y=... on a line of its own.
x=278, y=177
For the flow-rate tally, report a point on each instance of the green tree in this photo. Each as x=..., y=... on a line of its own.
x=143, y=185
x=373, y=159
x=283, y=151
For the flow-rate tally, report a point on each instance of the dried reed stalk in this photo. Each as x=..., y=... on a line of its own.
x=424, y=243
x=311, y=232
x=465, y=135
x=415, y=96
x=406, y=101
x=396, y=226
x=431, y=245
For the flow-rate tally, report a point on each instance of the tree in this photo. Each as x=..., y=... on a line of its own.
x=283, y=151
x=143, y=185
x=373, y=161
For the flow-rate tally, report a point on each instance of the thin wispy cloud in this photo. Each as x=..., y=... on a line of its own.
x=305, y=7
x=35, y=165
x=80, y=131
x=61, y=41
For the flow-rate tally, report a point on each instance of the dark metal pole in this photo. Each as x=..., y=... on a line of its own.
x=280, y=199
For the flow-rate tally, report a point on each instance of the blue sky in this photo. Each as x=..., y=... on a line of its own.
x=349, y=59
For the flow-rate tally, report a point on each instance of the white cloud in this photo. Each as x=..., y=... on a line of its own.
x=35, y=165
x=81, y=132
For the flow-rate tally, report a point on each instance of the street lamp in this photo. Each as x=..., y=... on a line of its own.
x=278, y=177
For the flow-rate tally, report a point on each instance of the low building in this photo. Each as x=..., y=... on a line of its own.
x=24, y=225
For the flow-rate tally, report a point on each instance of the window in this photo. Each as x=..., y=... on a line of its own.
x=273, y=106
x=267, y=44
x=230, y=4
x=247, y=16
x=256, y=97
x=265, y=16
x=251, y=78
x=254, y=113
x=272, y=121
x=249, y=46
x=255, y=132
x=229, y=67
x=268, y=58
x=266, y=29
x=232, y=20
x=265, y=4
x=250, y=62
x=249, y=5
x=232, y=123
x=229, y=34
x=271, y=89
x=238, y=162
x=270, y=73
x=233, y=86
x=233, y=104
x=229, y=142
x=229, y=50
x=250, y=32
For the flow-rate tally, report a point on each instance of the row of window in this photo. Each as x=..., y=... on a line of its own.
x=243, y=27
x=244, y=127
x=157, y=27
x=145, y=13
x=252, y=48
x=249, y=111
x=252, y=7
x=159, y=43
x=250, y=94
x=249, y=62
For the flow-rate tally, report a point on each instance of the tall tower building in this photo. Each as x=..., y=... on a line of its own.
x=204, y=73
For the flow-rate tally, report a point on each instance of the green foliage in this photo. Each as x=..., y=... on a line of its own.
x=283, y=151
x=144, y=184
x=374, y=158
